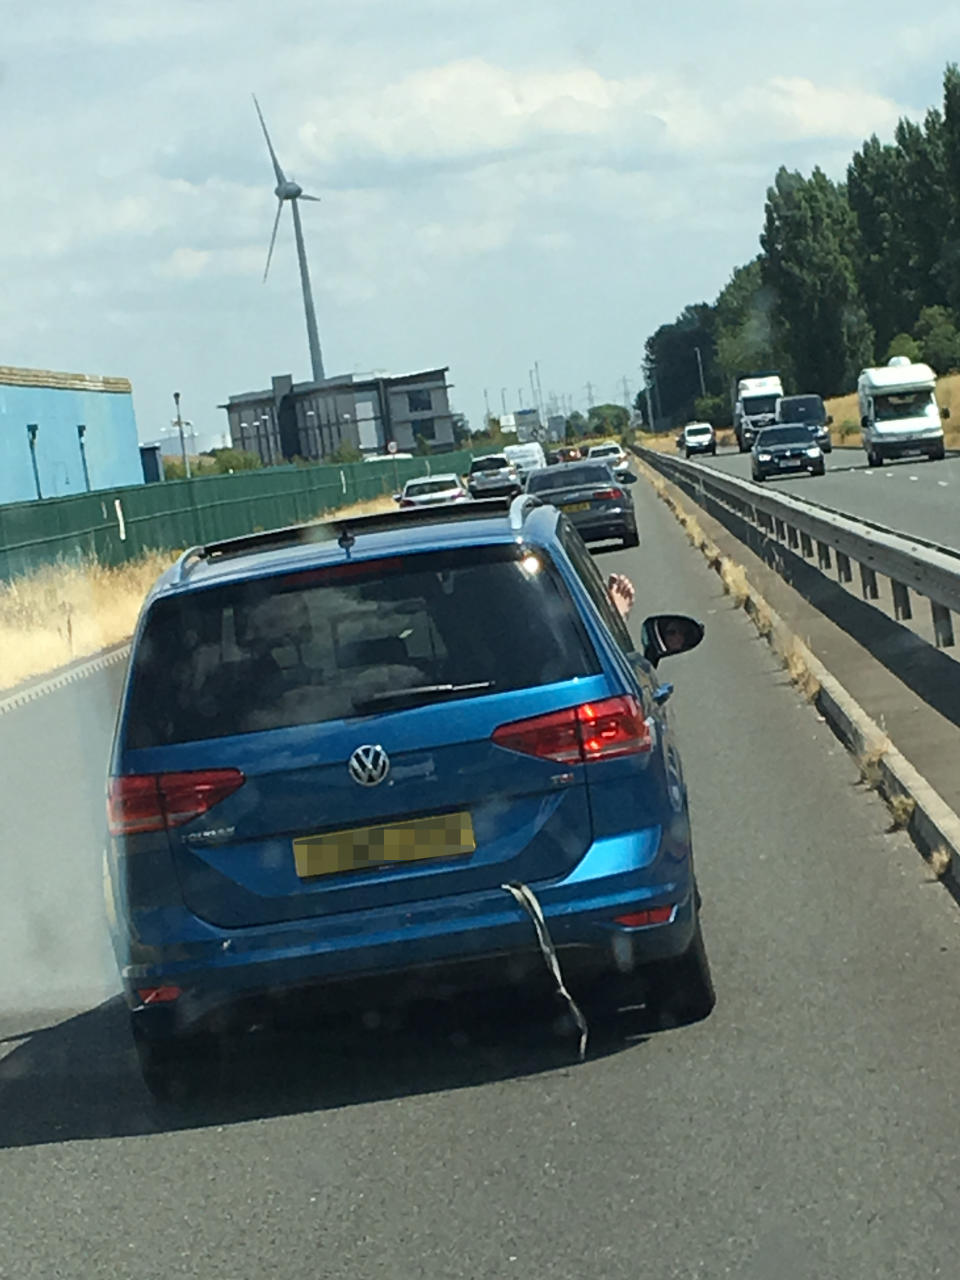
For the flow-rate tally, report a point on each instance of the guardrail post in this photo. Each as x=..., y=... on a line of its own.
x=942, y=625
x=901, y=601
x=844, y=568
x=823, y=555
x=793, y=538
x=868, y=583
x=806, y=544
x=780, y=528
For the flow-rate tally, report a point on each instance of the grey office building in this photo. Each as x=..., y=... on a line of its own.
x=313, y=419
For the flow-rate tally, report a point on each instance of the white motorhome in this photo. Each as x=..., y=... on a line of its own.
x=899, y=413
x=755, y=407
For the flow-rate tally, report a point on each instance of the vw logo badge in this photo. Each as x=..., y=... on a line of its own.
x=368, y=766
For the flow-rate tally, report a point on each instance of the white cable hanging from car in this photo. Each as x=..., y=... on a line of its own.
x=527, y=899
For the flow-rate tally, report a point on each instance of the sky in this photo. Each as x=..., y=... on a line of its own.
x=501, y=181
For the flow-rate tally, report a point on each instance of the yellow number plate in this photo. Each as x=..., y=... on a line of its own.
x=576, y=506
x=447, y=836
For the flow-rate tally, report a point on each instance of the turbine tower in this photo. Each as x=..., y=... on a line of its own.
x=287, y=190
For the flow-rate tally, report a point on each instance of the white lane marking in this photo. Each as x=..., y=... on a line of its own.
x=944, y=484
x=71, y=676
x=914, y=477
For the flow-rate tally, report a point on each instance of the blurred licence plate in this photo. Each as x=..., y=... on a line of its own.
x=575, y=506
x=447, y=836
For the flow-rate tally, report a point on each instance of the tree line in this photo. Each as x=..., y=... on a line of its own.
x=850, y=273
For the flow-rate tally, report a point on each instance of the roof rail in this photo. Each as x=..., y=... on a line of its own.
x=345, y=529
x=521, y=507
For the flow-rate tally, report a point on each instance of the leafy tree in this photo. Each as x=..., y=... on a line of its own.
x=227, y=460
x=576, y=427
x=938, y=339
x=713, y=409
x=809, y=241
x=671, y=357
x=608, y=420
x=345, y=452
x=875, y=190
x=904, y=345
x=745, y=332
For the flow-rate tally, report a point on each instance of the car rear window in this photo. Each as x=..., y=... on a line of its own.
x=568, y=478
x=326, y=644
x=488, y=464
x=439, y=485
x=783, y=435
x=604, y=451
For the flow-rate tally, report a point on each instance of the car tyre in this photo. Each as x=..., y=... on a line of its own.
x=682, y=989
x=712, y=451
x=759, y=477
x=179, y=1069
x=938, y=454
x=818, y=471
x=631, y=539
x=874, y=458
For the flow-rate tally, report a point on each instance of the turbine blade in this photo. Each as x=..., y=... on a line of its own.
x=314, y=199
x=273, y=155
x=273, y=238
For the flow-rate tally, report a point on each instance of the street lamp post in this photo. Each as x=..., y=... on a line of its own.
x=81, y=432
x=183, y=443
x=32, y=429
x=703, y=388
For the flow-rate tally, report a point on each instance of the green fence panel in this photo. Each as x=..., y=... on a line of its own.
x=115, y=525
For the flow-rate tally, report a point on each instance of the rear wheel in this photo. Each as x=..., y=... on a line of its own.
x=632, y=539
x=179, y=1068
x=682, y=988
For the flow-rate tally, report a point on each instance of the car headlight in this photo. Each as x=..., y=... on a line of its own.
x=813, y=451
x=764, y=457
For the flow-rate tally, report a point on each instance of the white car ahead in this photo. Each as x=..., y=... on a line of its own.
x=613, y=454
x=432, y=491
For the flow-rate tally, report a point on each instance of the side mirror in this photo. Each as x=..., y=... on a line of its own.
x=829, y=421
x=664, y=634
x=944, y=412
x=865, y=422
x=628, y=478
x=396, y=497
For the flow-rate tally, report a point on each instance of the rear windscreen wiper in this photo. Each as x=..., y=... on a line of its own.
x=417, y=693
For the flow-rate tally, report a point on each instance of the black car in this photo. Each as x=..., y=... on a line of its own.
x=781, y=450
x=592, y=497
x=811, y=412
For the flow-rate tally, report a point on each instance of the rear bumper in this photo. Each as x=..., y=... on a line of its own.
x=594, y=526
x=795, y=468
x=452, y=939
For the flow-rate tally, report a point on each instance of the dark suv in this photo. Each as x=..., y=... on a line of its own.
x=338, y=748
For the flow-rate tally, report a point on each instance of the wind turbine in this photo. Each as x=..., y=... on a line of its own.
x=292, y=192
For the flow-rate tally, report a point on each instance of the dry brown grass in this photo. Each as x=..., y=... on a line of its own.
x=940, y=861
x=68, y=611
x=901, y=811
x=870, y=772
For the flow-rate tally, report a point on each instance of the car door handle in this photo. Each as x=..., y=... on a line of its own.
x=662, y=693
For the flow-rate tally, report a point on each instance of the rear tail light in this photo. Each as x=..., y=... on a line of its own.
x=158, y=801
x=576, y=735
x=608, y=493
x=159, y=995
x=652, y=915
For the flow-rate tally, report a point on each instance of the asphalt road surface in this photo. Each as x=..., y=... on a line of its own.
x=806, y=1128
x=912, y=495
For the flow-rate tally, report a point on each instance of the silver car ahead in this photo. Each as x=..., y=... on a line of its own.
x=432, y=491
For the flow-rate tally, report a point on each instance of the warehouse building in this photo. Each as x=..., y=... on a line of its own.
x=367, y=411
x=65, y=433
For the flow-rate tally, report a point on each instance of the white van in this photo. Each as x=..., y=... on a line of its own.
x=899, y=414
x=526, y=457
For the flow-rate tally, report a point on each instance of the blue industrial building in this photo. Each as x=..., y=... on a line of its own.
x=65, y=433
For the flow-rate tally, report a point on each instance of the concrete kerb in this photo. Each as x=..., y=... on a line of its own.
x=914, y=804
